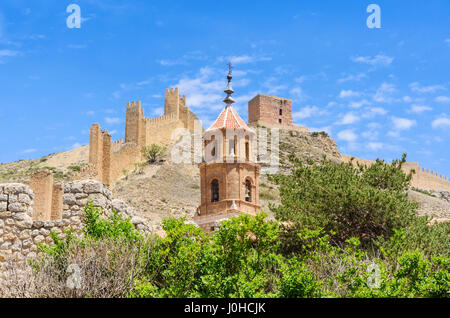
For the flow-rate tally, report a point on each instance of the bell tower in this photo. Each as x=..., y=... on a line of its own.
x=229, y=174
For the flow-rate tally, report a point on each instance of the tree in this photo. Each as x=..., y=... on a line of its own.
x=346, y=201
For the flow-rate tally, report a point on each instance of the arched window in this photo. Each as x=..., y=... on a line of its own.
x=215, y=190
x=247, y=151
x=248, y=191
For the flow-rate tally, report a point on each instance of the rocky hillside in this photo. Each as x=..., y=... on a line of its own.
x=63, y=164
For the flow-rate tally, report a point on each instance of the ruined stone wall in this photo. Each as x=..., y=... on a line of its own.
x=20, y=233
x=100, y=149
x=422, y=179
x=48, y=196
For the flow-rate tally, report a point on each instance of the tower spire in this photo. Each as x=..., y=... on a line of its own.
x=229, y=90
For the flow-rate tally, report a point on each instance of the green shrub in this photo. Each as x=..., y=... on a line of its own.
x=153, y=153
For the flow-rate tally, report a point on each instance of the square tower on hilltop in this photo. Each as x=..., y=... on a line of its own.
x=270, y=111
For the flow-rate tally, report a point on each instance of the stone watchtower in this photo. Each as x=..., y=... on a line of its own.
x=229, y=174
x=270, y=111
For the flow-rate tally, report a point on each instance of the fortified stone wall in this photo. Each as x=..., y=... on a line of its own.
x=20, y=233
x=108, y=160
x=422, y=179
x=124, y=158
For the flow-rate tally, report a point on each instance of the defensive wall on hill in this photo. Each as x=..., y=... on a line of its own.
x=108, y=159
x=422, y=178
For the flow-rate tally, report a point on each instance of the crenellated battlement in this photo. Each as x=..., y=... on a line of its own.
x=161, y=119
x=107, y=159
x=425, y=179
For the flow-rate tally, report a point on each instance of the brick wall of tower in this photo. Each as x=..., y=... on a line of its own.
x=271, y=110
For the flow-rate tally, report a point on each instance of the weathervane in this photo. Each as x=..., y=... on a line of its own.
x=230, y=68
x=229, y=90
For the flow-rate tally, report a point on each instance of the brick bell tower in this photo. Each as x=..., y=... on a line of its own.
x=229, y=174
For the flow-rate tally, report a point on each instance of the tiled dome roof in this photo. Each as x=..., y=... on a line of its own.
x=228, y=118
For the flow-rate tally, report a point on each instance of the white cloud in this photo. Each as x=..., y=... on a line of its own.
x=441, y=122
x=183, y=60
x=442, y=99
x=419, y=109
x=158, y=111
x=301, y=79
x=76, y=145
x=8, y=53
x=29, y=150
x=374, y=111
x=243, y=59
x=203, y=91
x=358, y=104
x=90, y=113
x=298, y=94
x=378, y=60
x=112, y=120
x=347, y=135
x=384, y=92
x=374, y=146
x=403, y=123
x=349, y=118
x=407, y=99
x=415, y=87
x=352, y=77
x=306, y=112
x=77, y=46
x=348, y=93
x=370, y=134
x=274, y=87
x=447, y=41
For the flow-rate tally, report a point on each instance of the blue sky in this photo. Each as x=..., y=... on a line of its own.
x=378, y=92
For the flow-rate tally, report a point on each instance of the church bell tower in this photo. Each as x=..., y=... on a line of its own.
x=229, y=174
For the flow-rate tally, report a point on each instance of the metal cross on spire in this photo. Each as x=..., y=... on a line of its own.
x=229, y=90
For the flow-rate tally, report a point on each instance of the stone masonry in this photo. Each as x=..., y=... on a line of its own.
x=20, y=233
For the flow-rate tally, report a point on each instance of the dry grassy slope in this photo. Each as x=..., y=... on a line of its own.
x=435, y=207
x=20, y=171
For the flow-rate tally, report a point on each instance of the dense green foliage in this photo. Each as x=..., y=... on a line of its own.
x=341, y=231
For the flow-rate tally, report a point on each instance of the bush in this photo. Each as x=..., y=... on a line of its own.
x=153, y=153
